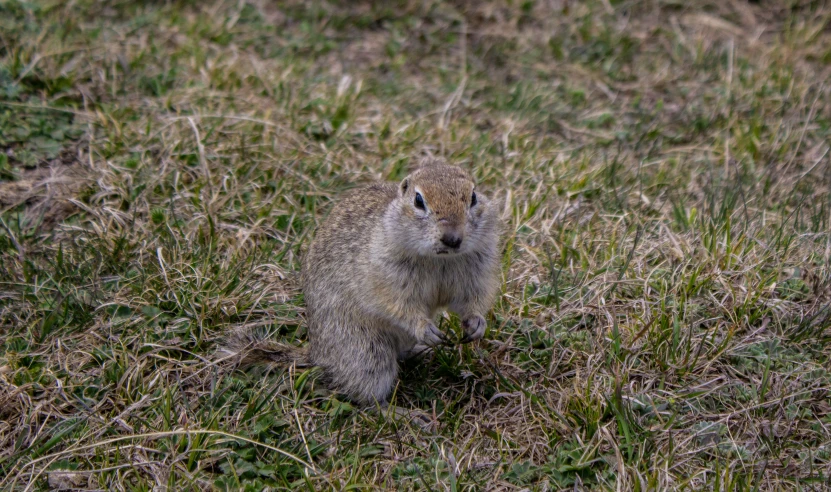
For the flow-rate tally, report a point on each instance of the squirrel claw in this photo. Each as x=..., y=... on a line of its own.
x=433, y=336
x=474, y=328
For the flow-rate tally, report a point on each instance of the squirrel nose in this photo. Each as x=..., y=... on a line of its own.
x=451, y=240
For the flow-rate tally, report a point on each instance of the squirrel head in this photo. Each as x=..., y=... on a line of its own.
x=439, y=212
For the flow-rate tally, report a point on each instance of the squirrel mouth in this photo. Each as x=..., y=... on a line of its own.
x=448, y=252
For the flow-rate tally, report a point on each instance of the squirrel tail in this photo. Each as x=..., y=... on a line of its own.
x=248, y=348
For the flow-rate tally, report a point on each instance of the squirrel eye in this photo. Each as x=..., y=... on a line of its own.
x=419, y=202
x=473, y=199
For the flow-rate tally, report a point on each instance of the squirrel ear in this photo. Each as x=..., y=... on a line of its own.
x=404, y=185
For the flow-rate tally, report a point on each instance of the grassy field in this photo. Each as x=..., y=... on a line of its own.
x=665, y=172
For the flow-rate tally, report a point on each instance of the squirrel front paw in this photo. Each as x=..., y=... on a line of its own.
x=433, y=336
x=474, y=328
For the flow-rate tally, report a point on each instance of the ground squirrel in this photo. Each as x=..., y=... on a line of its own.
x=386, y=260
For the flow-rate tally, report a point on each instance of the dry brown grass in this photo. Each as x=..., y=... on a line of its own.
x=666, y=180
